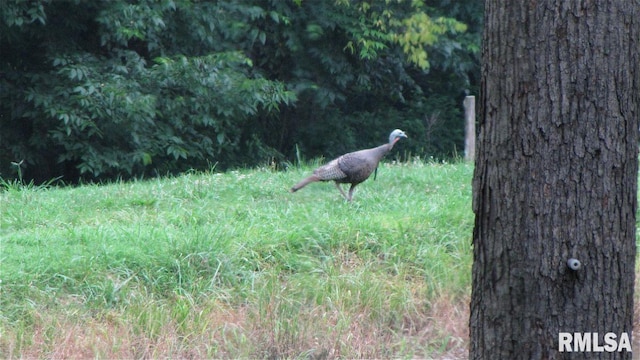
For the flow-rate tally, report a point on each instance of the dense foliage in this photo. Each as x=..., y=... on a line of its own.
x=100, y=89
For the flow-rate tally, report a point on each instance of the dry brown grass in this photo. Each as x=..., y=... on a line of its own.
x=221, y=331
x=437, y=330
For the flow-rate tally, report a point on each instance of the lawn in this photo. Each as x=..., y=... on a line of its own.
x=211, y=265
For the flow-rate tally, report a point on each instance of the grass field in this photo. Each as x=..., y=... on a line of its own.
x=232, y=265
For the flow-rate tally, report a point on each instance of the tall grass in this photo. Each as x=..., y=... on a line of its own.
x=233, y=265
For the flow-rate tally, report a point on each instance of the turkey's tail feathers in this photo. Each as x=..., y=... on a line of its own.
x=304, y=182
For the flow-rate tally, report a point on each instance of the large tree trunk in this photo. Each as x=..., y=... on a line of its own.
x=556, y=176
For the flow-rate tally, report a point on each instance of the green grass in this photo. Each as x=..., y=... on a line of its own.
x=233, y=265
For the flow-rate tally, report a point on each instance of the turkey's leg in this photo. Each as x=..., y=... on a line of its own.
x=342, y=191
x=353, y=186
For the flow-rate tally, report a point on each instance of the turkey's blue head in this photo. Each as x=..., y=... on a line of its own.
x=396, y=135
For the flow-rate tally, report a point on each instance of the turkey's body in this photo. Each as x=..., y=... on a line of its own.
x=352, y=168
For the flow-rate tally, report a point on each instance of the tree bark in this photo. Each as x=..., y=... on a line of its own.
x=555, y=177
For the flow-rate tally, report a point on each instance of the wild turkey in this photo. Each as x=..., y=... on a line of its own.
x=352, y=168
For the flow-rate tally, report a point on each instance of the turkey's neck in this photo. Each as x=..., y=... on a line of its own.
x=382, y=150
x=393, y=142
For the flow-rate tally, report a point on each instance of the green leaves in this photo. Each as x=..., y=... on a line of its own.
x=211, y=97
x=113, y=118
x=123, y=22
x=419, y=31
x=380, y=26
x=21, y=13
x=119, y=88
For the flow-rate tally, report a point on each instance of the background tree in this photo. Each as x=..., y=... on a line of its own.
x=97, y=90
x=100, y=90
x=556, y=176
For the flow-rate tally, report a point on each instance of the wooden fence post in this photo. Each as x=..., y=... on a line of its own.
x=470, y=128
